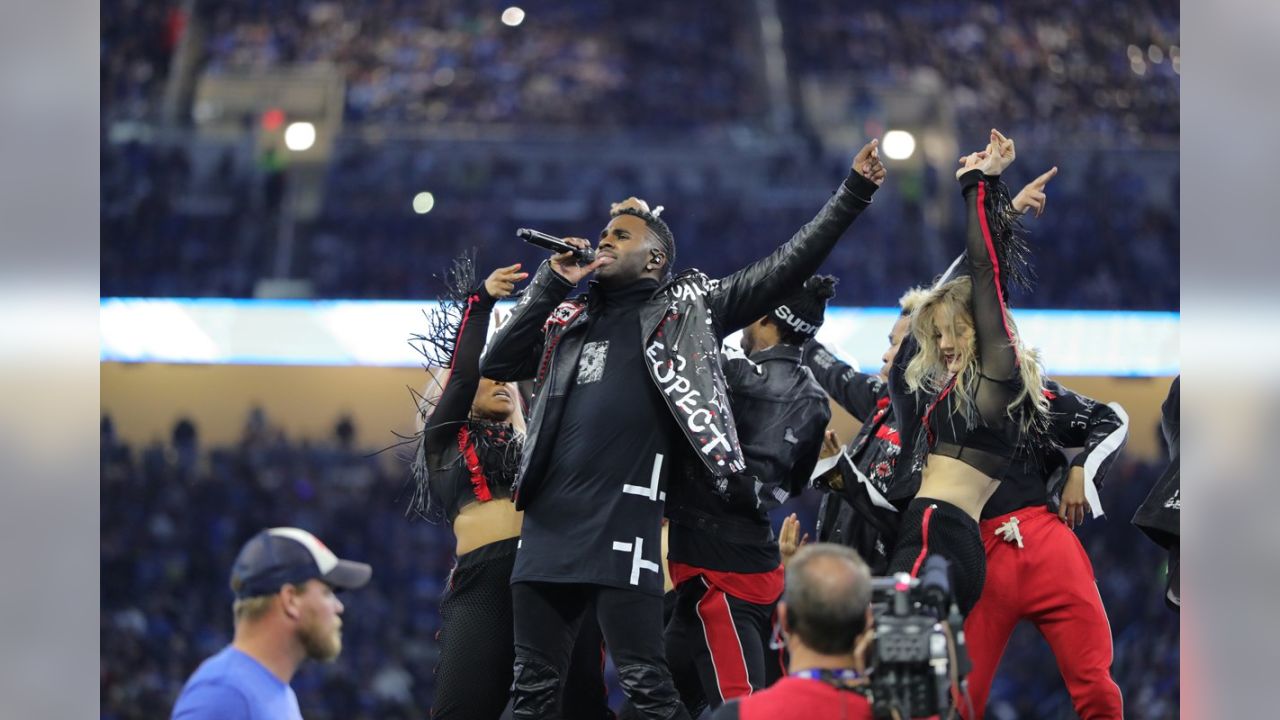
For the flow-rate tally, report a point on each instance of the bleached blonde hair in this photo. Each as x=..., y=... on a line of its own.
x=926, y=371
x=912, y=299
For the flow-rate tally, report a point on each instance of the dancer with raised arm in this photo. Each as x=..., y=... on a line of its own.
x=466, y=461
x=976, y=389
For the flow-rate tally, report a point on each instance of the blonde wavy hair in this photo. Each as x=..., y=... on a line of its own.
x=926, y=371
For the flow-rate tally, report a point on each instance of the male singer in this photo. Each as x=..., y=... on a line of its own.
x=626, y=377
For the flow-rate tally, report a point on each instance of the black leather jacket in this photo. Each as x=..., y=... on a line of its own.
x=788, y=413
x=784, y=413
x=1159, y=516
x=682, y=326
x=852, y=516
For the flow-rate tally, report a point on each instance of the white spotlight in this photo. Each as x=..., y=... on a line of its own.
x=300, y=136
x=423, y=202
x=512, y=16
x=898, y=144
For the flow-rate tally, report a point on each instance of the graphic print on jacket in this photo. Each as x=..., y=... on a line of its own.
x=591, y=366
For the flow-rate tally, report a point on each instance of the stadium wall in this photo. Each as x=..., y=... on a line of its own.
x=145, y=399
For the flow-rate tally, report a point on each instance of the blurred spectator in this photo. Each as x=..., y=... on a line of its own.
x=137, y=41
x=274, y=179
x=345, y=433
x=186, y=442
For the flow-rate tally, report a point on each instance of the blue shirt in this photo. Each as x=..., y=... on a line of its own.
x=233, y=686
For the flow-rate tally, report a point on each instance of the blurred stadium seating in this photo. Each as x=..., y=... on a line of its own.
x=174, y=513
x=643, y=105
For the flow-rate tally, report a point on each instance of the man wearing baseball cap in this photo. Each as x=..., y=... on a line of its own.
x=285, y=612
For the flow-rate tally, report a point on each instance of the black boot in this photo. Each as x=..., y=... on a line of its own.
x=535, y=690
x=652, y=692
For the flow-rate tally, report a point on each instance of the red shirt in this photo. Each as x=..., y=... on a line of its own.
x=799, y=698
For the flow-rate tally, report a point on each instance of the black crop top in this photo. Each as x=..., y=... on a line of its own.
x=985, y=437
x=985, y=443
x=467, y=460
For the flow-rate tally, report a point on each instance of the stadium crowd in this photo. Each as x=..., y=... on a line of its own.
x=168, y=232
x=1120, y=245
x=1047, y=69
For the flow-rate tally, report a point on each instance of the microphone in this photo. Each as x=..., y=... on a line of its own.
x=583, y=256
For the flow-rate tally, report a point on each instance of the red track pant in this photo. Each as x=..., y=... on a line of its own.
x=718, y=638
x=1048, y=581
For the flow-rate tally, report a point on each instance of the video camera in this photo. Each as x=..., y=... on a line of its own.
x=919, y=651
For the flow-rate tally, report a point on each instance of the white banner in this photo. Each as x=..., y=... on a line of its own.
x=376, y=333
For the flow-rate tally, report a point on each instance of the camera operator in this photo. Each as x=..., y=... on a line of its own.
x=826, y=618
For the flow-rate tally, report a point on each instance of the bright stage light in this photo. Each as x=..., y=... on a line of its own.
x=898, y=144
x=512, y=16
x=300, y=136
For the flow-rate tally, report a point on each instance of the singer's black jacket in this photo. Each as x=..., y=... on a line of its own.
x=682, y=327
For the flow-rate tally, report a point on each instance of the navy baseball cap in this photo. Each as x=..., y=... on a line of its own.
x=281, y=555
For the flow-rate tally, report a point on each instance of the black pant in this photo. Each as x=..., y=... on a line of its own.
x=935, y=527
x=718, y=645
x=473, y=679
x=548, y=617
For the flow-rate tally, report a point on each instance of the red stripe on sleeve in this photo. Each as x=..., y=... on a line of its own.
x=462, y=326
x=995, y=262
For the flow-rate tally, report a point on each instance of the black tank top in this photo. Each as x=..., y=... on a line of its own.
x=480, y=466
x=462, y=459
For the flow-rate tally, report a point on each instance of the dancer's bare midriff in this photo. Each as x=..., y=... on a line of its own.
x=479, y=524
x=954, y=481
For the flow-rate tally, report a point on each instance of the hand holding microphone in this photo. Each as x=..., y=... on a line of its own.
x=575, y=258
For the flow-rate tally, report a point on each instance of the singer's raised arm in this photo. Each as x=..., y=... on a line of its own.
x=514, y=350
x=753, y=291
